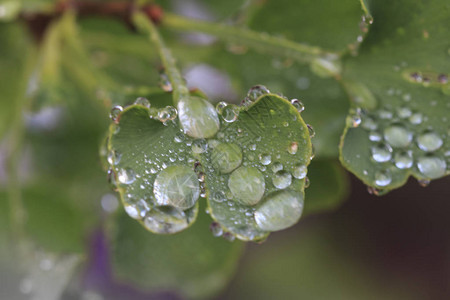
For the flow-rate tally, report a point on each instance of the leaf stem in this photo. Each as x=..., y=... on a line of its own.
x=179, y=88
x=260, y=41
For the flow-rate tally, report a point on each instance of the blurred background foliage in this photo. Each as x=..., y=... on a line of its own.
x=56, y=89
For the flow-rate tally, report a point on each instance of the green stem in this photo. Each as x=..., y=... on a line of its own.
x=242, y=36
x=179, y=88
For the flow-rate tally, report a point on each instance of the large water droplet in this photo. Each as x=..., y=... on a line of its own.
x=298, y=105
x=126, y=176
x=281, y=179
x=382, y=178
x=166, y=220
x=256, y=91
x=429, y=141
x=136, y=209
x=265, y=159
x=415, y=118
x=226, y=157
x=176, y=186
x=247, y=185
x=403, y=160
x=279, y=210
x=381, y=153
x=299, y=171
x=229, y=113
x=198, y=117
x=397, y=136
x=431, y=167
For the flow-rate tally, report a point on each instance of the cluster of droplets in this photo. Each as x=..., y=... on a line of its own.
x=399, y=142
x=253, y=192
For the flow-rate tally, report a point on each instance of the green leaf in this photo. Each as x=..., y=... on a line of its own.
x=404, y=65
x=192, y=263
x=329, y=187
x=154, y=164
x=329, y=24
x=253, y=167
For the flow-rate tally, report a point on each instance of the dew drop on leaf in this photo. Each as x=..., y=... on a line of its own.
x=265, y=159
x=126, y=176
x=166, y=220
x=142, y=101
x=198, y=118
x=247, y=185
x=176, y=186
x=429, y=141
x=167, y=113
x=381, y=153
x=226, y=157
x=299, y=171
x=298, y=105
x=282, y=179
x=199, y=146
x=382, y=178
x=403, y=160
x=279, y=210
x=397, y=136
x=115, y=113
x=431, y=167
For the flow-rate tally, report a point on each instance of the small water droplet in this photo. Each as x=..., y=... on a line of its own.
x=415, y=118
x=164, y=82
x=115, y=113
x=369, y=124
x=265, y=159
x=199, y=146
x=176, y=186
x=279, y=210
x=277, y=167
x=381, y=152
x=375, y=136
x=429, y=141
x=385, y=114
x=404, y=112
x=126, y=176
x=431, y=167
x=256, y=91
x=382, y=178
x=229, y=113
x=218, y=196
x=179, y=137
x=226, y=157
x=168, y=113
x=114, y=157
x=142, y=101
x=293, y=147
x=281, y=179
x=397, y=136
x=216, y=229
x=299, y=171
x=424, y=182
x=229, y=236
x=247, y=185
x=403, y=160
x=298, y=105
x=311, y=131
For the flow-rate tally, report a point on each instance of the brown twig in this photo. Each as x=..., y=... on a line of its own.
x=37, y=23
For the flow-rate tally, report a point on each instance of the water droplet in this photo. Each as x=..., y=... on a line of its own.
x=164, y=82
x=277, y=167
x=311, y=131
x=299, y=171
x=142, y=101
x=179, y=137
x=216, y=229
x=293, y=147
x=307, y=182
x=298, y=105
x=382, y=178
x=397, y=136
x=218, y=196
x=403, y=160
x=279, y=210
x=126, y=176
x=381, y=152
x=247, y=185
x=252, y=147
x=114, y=157
x=431, y=167
x=415, y=118
x=375, y=136
x=256, y=91
x=198, y=118
x=354, y=118
x=176, y=186
x=115, y=113
x=168, y=113
x=199, y=146
x=404, y=112
x=166, y=220
x=281, y=179
x=265, y=159
x=369, y=124
x=226, y=157
x=424, y=182
x=385, y=114
x=229, y=113
x=429, y=141
x=136, y=209
x=229, y=236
